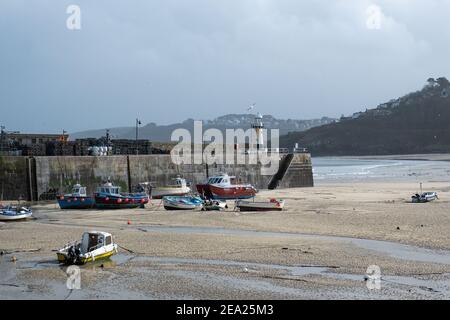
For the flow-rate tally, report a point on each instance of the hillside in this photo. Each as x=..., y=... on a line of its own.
x=162, y=133
x=418, y=122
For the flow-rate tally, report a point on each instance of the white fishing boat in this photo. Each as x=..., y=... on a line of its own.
x=182, y=203
x=12, y=213
x=272, y=205
x=94, y=245
x=177, y=188
x=424, y=197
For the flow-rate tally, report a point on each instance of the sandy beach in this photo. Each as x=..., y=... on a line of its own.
x=319, y=247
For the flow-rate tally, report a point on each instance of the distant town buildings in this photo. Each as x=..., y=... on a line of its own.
x=30, y=144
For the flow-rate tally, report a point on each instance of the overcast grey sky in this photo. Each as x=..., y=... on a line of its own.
x=166, y=60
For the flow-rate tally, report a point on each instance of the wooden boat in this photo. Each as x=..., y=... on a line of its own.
x=78, y=199
x=178, y=188
x=223, y=187
x=272, y=205
x=182, y=203
x=109, y=196
x=214, y=205
x=12, y=213
x=94, y=245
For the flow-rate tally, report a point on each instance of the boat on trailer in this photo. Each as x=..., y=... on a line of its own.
x=109, y=196
x=94, y=245
x=177, y=188
x=14, y=213
x=182, y=203
x=223, y=187
x=272, y=205
x=78, y=199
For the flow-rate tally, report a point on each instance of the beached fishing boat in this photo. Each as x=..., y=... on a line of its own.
x=13, y=213
x=224, y=187
x=182, y=203
x=272, y=205
x=424, y=197
x=214, y=205
x=109, y=196
x=178, y=188
x=78, y=199
x=94, y=245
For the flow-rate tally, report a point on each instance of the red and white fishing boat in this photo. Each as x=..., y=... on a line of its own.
x=224, y=187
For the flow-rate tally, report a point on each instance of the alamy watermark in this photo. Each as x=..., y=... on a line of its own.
x=74, y=278
x=73, y=22
x=238, y=147
x=374, y=17
x=373, y=280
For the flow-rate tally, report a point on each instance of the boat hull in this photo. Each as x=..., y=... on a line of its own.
x=14, y=217
x=94, y=256
x=260, y=206
x=103, y=201
x=182, y=203
x=159, y=193
x=226, y=193
x=76, y=202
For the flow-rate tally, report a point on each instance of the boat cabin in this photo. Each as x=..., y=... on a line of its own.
x=79, y=191
x=222, y=179
x=179, y=182
x=109, y=189
x=93, y=240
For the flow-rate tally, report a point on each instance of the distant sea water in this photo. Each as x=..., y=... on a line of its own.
x=343, y=169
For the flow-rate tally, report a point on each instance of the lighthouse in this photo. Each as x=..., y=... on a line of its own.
x=258, y=126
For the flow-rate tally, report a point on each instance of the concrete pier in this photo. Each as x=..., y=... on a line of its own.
x=38, y=178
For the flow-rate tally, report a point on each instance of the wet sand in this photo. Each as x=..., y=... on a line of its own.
x=318, y=248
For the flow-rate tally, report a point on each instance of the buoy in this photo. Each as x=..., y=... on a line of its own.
x=129, y=222
x=398, y=228
x=119, y=200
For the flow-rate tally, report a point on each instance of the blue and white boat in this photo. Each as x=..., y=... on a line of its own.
x=78, y=199
x=182, y=203
x=109, y=196
x=11, y=213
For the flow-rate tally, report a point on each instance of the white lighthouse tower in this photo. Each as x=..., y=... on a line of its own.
x=258, y=125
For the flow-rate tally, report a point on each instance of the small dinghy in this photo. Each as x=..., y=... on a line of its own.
x=94, y=245
x=272, y=205
x=12, y=213
x=214, y=205
x=182, y=203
